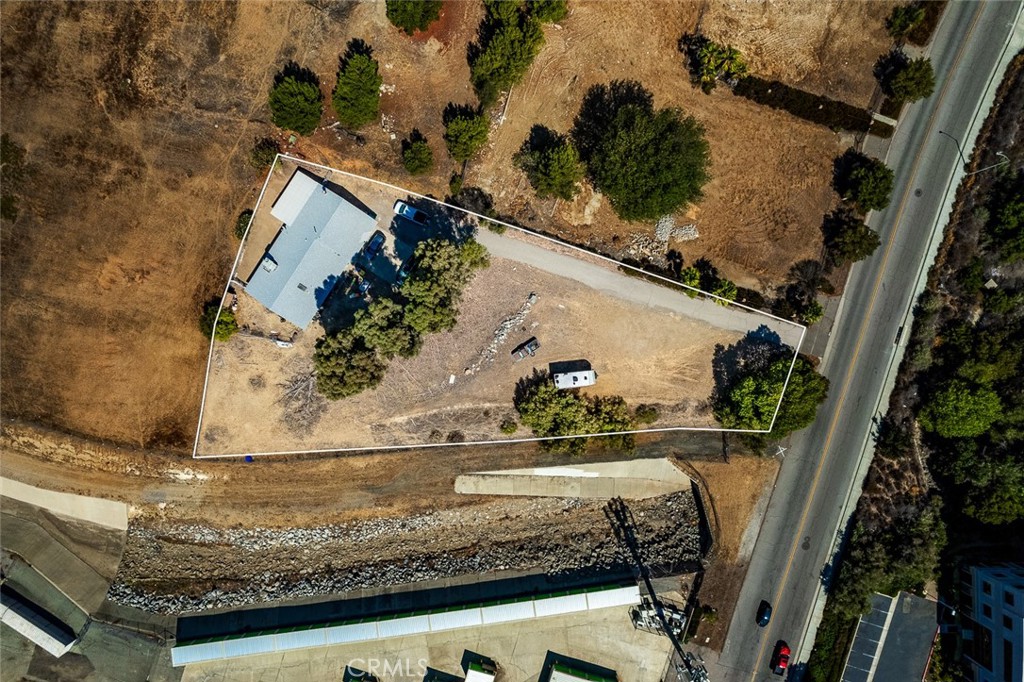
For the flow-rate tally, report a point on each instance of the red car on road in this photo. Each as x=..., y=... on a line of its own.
x=780, y=658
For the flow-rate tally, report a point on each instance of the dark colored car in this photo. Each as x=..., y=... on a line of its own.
x=528, y=347
x=374, y=246
x=764, y=613
x=780, y=658
x=410, y=212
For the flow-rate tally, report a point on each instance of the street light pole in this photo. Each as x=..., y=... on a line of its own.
x=960, y=151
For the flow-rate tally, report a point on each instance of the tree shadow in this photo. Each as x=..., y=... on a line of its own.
x=843, y=167
x=541, y=139
x=299, y=73
x=675, y=262
x=690, y=45
x=414, y=137
x=453, y=111
x=356, y=46
x=600, y=106
x=527, y=383
x=887, y=66
x=709, y=277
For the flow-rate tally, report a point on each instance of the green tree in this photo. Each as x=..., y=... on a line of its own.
x=434, y=289
x=847, y=238
x=726, y=291
x=649, y=164
x=749, y=402
x=382, y=327
x=296, y=103
x=716, y=61
x=812, y=312
x=264, y=151
x=357, y=94
x=413, y=15
x=548, y=412
x=548, y=11
x=913, y=81
x=226, y=325
x=417, y=156
x=866, y=181
x=996, y=491
x=552, y=165
x=1006, y=221
x=345, y=366
x=510, y=40
x=961, y=410
x=903, y=19
x=465, y=132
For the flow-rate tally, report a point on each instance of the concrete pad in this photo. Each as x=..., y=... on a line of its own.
x=630, y=479
x=92, y=509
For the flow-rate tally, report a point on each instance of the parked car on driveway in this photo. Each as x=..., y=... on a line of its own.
x=410, y=213
x=780, y=658
x=764, y=613
x=374, y=246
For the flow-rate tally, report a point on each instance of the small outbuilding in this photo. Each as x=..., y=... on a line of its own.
x=579, y=379
x=34, y=623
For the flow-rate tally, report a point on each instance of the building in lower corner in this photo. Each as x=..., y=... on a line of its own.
x=37, y=625
x=992, y=621
x=561, y=671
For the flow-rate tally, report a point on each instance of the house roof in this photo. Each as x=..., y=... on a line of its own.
x=320, y=233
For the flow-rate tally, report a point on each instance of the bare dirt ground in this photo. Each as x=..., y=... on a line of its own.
x=823, y=47
x=140, y=116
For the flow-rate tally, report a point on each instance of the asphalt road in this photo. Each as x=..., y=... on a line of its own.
x=823, y=461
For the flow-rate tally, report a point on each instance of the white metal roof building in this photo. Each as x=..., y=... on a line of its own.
x=575, y=379
x=398, y=625
x=320, y=233
x=34, y=623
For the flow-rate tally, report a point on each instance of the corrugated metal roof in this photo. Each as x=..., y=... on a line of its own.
x=300, y=639
x=249, y=646
x=312, y=250
x=356, y=632
x=197, y=653
x=621, y=596
x=506, y=612
x=412, y=625
x=449, y=620
x=34, y=623
x=554, y=606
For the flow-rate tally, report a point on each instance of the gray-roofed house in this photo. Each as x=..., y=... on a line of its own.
x=321, y=231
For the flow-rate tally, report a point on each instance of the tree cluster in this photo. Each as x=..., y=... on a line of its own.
x=356, y=358
x=864, y=180
x=549, y=412
x=296, y=102
x=551, y=164
x=356, y=96
x=649, y=163
x=1006, y=217
x=748, y=394
x=905, y=79
x=847, y=238
x=903, y=19
x=412, y=15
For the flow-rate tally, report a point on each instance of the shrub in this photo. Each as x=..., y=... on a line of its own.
x=455, y=184
x=242, y=223
x=226, y=325
x=726, y=291
x=509, y=426
x=413, y=15
x=296, y=102
x=866, y=181
x=465, y=132
x=812, y=312
x=903, y=19
x=417, y=156
x=1006, y=216
x=913, y=81
x=344, y=366
x=264, y=151
x=690, y=277
x=710, y=61
x=510, y=39
x=551, y=163
x=357, y=93
x=648, y=163
x=961, y=410
x=814, y=108
x=921, y=34
x=646, y=414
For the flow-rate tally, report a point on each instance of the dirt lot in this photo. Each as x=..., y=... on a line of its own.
x=140, y=117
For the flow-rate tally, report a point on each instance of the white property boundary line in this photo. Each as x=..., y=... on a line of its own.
x=612, y=261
